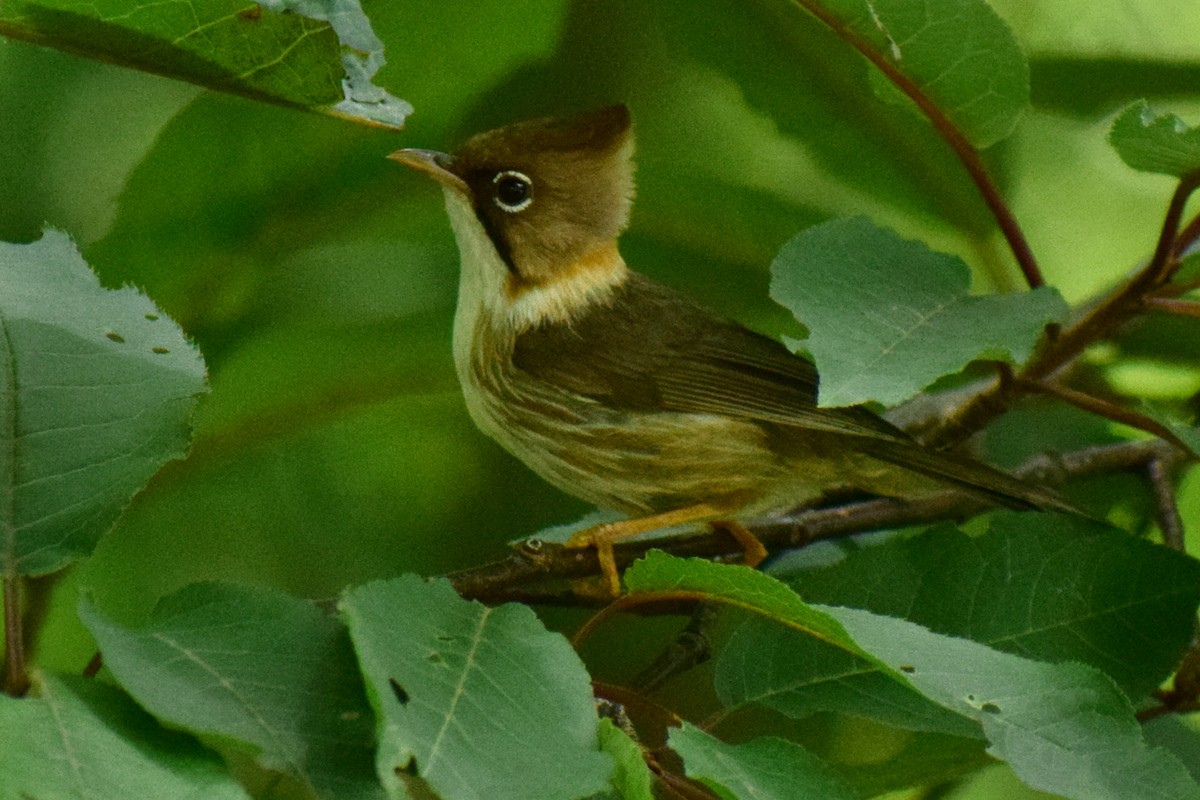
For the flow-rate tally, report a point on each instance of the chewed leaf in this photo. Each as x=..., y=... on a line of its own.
x=1152, y=142
x=96, y=391
x=362, y=57
x=888, y=316
x=473, y=701
x=321, y=56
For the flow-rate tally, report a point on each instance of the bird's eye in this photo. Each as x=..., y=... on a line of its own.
x=514, y=190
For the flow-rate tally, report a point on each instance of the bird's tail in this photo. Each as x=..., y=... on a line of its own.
x=989, y=482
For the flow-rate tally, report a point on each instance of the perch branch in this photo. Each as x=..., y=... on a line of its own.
x=538, y=562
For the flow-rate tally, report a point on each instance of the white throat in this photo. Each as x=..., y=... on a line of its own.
x=485, y=294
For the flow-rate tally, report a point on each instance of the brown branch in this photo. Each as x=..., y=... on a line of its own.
x=511, y=578
x=1188, y=236
x=1160, y=472
x=963, y=149
x=1097, y=323
x=690, y=648
x=1103, y=408
x=1170, y=305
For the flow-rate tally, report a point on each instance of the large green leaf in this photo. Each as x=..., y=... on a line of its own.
x=254, y=667
x=761, y=769
x=1048, y=588
x=96, y=388
x=477, y=702
x=888, y=316
x=74, y=739
x=845, y=677
x=1064, y=728
x=320, y=54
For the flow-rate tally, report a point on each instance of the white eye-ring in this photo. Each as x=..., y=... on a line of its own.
x=514, y=190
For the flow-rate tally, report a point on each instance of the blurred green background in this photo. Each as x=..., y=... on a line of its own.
x=319, y=280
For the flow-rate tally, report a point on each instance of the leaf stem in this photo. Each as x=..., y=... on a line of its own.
x=15, y=681
x=950, y=133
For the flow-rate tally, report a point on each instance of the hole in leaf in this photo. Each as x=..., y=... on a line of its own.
x=990, y=708
x=116, y=337
x=407, y=768
x=434, y=656
x=159, y=350
x=152, y=317
x=398, y=690
x=907, y=669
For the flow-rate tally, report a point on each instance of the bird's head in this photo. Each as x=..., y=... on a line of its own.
x=537, y=206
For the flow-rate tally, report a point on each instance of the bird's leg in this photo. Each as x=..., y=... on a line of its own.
x=603, y=536
x=753, y=551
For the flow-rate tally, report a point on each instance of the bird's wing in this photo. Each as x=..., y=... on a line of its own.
x=652, y=349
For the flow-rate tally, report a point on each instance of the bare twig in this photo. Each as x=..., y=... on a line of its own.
x=1170, y=305
x=688, y=649
x=1103, y=408
x=1161, y=471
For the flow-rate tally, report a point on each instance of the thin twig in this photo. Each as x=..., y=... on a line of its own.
x=690, y=648
x=1161, y=471
x=1170, y=305
x=1103, y=408
x=1188, y=236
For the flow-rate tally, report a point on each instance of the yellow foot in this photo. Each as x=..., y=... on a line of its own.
x=602, y=537
x=753, y=551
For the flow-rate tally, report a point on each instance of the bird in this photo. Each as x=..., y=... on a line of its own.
x=630, y=394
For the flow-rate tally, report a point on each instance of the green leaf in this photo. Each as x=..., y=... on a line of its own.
x=478, y=702
x=321, y=56
x=1063, y=728
x=1049, y=588
x=761, y=769
x=888, y=316
x=848, y=678
x=1152, y=142
x=74, y=738
x=958, y=52
x=362, y=57
x=763, y=664
x=256, y=667
x=632, y=778
x=96, y=389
